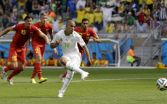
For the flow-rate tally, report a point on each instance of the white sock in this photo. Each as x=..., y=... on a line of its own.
x=67, y=80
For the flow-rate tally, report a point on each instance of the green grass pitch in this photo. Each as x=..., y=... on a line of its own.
x=103, y=86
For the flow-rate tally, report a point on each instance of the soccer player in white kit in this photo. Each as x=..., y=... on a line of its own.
x=71, y=59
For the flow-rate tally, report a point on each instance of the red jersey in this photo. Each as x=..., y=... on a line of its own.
x=22, y=35
x=46, y=29
x=86, y=35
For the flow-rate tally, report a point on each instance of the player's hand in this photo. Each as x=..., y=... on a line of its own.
x=58, y=41
x=55, y=44
x=55, y=51
x=97, y=40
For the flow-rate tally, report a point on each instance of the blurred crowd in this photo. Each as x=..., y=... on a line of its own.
x=104, y=15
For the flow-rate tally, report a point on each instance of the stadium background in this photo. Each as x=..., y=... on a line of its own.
x=112, y=86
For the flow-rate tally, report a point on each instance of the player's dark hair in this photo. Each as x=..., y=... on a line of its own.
x=68, y=20
x=85, y=19
x=27, y=17
x=42, y=13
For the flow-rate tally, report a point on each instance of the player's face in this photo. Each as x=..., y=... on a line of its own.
x=28, y=22
x=44, y=17
x=85, y=24
x=71, y=26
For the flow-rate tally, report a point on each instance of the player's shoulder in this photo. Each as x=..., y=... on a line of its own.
x=33, y=27
x=61, y=32
x=36, y=24
x=49, y=25
x=90, y=29
x=20, y=25
x=76, y=34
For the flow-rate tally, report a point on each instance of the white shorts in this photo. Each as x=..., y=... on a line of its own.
x=73, y=59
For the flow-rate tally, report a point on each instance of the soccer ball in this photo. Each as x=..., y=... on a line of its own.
x=162, y=84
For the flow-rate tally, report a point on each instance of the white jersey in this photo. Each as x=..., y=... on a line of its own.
x=69, y=43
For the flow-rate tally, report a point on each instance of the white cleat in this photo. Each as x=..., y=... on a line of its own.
x=84, y=75
x=61, y=94
x=3, y=73
x=10, y=81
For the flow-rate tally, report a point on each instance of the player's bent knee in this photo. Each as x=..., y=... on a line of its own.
x=70, y=74
x=69, y=66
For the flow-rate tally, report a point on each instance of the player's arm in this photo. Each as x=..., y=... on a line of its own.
x=56, y=41
x=94, y=36
x=41, y=34
x=6, y=30
x=96, y=39
x=55, y=51
x=83, y=45
x=87, y=55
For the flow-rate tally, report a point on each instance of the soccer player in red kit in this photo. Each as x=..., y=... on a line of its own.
x=17, y=51
x=87, y=33
x=38, y=45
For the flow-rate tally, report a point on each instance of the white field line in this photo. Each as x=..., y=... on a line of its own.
x=119, y=79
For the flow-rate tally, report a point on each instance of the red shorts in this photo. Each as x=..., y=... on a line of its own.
x=17, y=55
x=38, y=49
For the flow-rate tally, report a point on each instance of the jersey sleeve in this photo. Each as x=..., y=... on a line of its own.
x=80, y=40
x=15, y=27
x=56, y=37
x=92, y=32
x=35, y=29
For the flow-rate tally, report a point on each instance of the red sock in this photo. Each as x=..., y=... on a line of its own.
x=64, y=74
x=37, y=67
x=9, y=67
x=33, y=73
x=15, y=72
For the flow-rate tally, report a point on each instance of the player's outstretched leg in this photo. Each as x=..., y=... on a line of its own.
x=33, y=81
x=62, y=76
x=83, y=73
x=14, y=73
x=66, y=82
x=10, y=81
x=37, y=67
x=43, y=80
x=4, y=71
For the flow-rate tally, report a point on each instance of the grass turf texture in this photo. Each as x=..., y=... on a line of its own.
x=113, y=86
